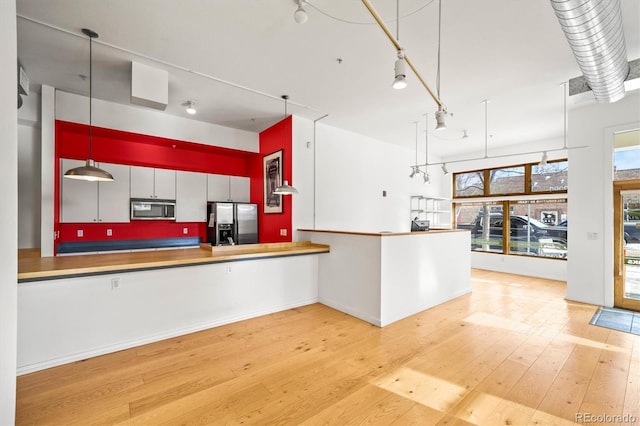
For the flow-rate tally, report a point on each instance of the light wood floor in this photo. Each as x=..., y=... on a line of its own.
x=512, y=352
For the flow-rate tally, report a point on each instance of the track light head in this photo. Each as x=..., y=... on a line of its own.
x=444, y=169
x=413, y=172
x=440, y=115
x=543, y=160
x=400, y=80
x=425, y=178
x=300, y=15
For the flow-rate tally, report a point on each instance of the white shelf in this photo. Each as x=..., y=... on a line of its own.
x=435, y=209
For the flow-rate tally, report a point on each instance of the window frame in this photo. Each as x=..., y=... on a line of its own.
x=487, y=184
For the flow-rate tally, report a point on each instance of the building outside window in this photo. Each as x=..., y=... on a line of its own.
x=532, y=226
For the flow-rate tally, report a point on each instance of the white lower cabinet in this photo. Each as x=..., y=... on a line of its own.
x=191, y=197
x=85, y=202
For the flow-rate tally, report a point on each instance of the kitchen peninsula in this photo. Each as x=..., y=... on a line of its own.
x=90, y=305
x=384, y=277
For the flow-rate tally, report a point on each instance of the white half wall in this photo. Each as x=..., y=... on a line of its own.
x=9, y=213
x=78, y=318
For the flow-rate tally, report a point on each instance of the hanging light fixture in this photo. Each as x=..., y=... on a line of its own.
x=415, y=170
x=89, y=171
x=285, y=188
x=543, y=160
x=190, y=107
x=426, y=149
x=442, y=111
x=300, y=15
x=400, y=80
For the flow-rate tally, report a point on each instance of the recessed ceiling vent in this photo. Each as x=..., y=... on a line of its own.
x=149, y=86
x=594, y=31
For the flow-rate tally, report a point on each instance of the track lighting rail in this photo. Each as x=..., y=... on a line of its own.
x=399, y=48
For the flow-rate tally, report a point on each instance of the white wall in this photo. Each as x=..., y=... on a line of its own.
x=9, y=213
x=303, y=178
x=29, y=172
x=353, y=170
x=590, y=264
x=70, y=319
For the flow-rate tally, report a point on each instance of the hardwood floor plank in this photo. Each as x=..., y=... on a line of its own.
x=511, y=352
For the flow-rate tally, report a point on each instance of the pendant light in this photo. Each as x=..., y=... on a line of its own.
x=400, y=79
x=89, y=171
x=285, y=188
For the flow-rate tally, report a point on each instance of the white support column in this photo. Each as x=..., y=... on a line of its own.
x=8, y=214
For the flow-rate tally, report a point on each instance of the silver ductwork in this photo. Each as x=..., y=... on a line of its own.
x=594, y=31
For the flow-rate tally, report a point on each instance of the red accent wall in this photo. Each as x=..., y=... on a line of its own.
x=119, y=147
x=276, y=137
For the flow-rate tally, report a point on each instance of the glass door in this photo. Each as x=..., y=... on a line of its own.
x=626, y=199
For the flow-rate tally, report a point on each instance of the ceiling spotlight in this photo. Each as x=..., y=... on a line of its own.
x=190, y=106
x=413, y=172
x=444, y=169
x=400, y=81
x=543, y=160
x=440, y=114
x=426, y=178
x=300, y=15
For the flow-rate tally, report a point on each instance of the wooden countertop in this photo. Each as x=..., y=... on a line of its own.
x=385, y=234
x=32, y=267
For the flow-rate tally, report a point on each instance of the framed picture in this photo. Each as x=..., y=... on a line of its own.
x=272, y=169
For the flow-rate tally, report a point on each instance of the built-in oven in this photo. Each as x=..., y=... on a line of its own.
x=143, y=209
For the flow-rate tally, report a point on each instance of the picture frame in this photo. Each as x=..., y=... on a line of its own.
x=272, y=176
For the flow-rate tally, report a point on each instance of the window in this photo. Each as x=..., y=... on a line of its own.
x=513, y=225
x=469, y=184
x=626, y=156
x=506, y=181
x=525, y=179
x=552, y=177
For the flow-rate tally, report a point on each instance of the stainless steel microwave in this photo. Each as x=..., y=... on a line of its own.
x=142, y=209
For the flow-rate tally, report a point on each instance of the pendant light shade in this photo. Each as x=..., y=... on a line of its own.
x=89, y=171
x=285, y=189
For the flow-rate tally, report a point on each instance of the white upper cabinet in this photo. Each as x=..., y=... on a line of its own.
x=228, y=188
x=191, y=197
x=165, y=184
x=217, y=188
x=84, y=202
x=239, y=191
x=147, y=182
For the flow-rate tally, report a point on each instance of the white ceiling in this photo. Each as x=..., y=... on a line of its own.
x=235, y=58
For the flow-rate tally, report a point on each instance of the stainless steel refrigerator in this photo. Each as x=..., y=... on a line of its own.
x=246, y=223
x=232, y=223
